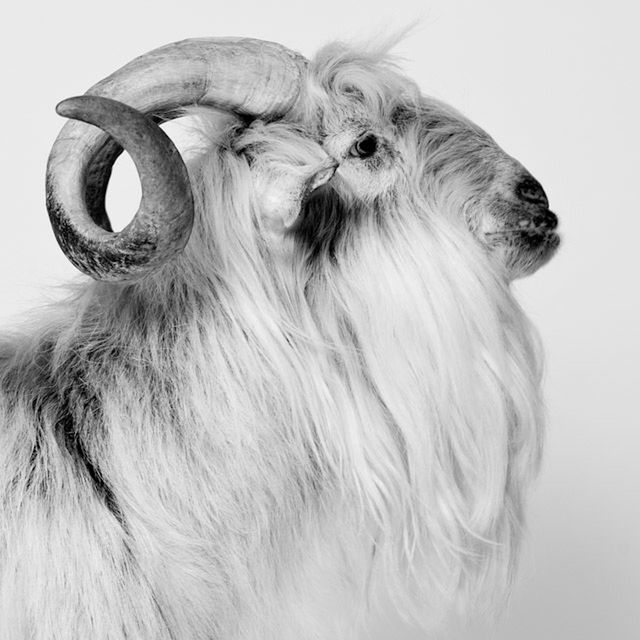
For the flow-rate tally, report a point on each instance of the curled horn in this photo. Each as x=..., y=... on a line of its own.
x=249, y=77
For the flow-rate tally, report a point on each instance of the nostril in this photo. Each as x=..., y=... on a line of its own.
x=550, y=220
x=530, y=190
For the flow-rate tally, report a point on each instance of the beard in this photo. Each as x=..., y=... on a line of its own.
x=438, y=389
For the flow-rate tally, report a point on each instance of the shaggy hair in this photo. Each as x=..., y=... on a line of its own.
x=292, y=415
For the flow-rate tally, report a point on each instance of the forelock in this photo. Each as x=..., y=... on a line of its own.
x=364, y=81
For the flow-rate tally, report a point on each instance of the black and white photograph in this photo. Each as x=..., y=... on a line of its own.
x=320, y=321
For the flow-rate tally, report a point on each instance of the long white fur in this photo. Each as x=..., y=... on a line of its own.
x=275, y=437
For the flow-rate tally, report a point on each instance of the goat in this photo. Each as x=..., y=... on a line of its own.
x=298, y=377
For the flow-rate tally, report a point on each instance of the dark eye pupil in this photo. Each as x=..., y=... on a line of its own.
x=366, y=146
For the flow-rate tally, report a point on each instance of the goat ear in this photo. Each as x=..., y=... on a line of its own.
x=313, y=180
x=320, y=175
x=283, y=196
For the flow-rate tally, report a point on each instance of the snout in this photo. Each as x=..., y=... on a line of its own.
x=522, y=228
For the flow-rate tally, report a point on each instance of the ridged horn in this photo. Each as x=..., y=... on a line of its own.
x=249, y=77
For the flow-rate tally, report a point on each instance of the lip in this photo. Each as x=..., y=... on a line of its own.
x=529, y=227
x=524, y=221
x=528, y=231
x=541, y=238
x=531, y=238
x=553, y=239
x=542, y=232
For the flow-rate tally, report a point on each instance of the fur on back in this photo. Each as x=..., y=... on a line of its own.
x=253, y=441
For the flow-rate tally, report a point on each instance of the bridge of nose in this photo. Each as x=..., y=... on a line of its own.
x=530, y=190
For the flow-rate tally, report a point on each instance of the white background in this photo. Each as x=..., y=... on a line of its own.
x=557, y=84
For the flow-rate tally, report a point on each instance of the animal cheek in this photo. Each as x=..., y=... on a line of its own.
x=359, y=180
x=486, y=223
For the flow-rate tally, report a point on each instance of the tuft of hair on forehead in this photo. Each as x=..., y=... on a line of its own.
x=344, y=76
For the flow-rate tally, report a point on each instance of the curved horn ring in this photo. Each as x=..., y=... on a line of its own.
x=248, y=77
x=162, y=225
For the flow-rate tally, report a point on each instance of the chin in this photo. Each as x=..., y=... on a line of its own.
x=527, y=252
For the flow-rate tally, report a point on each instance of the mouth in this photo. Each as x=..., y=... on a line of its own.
x=523, y=251
x=532, y=236
x=530, y=231
x=525, y=243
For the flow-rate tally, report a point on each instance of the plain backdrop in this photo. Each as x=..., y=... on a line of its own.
x=556, y=84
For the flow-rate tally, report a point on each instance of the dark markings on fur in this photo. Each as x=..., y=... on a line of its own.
x=36, y=453
x=323, y=223
x=70, y=439
x=65, y=407
x=16, y=375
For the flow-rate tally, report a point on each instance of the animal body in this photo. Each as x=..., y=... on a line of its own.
x=299, y=377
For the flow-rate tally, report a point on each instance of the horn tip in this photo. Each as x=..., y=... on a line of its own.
x=62, y=108
x=71, y=107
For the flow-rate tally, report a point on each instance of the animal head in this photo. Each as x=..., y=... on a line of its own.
x=361, y=113
x=379, y=126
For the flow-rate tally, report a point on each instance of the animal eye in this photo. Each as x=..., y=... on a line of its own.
x=365, y=146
